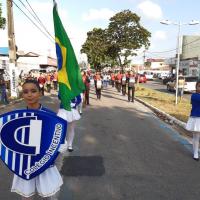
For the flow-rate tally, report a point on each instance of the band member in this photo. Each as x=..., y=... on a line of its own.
x=131, y=86
x=123, y=84
x=41, y=81
x=86, y=81
x=98, y=85
x=48, y=183
x=119, y=81
x=71, y=117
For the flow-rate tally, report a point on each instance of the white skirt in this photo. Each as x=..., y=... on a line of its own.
x=69, y=116
x=193, y=124
x=46, y=184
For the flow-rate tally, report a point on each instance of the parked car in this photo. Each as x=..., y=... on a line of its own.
x=142, y=78
x=163, y=75
x=149, y=75
x=168, y=78
x=190, y=84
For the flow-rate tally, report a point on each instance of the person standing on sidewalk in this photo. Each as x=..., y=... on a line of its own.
x=131, y=86
x=193, y=123
x=4, y=98
x=181, y=83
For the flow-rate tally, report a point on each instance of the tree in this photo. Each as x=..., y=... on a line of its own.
x=2, y=19
x=124, y=35
x=94, y=47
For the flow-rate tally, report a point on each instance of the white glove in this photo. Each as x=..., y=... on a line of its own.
x=63, y=147
x=72, y=105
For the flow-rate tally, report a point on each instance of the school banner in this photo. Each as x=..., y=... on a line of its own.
x=29, y=141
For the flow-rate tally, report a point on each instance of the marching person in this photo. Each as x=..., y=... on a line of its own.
x=48, y=82
x=86, y=81
x=119, y=81
x=41, y=81
x=113, y=79
x=123, y=84
x=71, y=117
x=131, y=86
x=48, y=183
x=98, y=85
x=193, y=123
x=55, y=80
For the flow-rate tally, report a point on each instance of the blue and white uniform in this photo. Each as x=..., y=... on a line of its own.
x=193, y=123
x=71, y=117
x=46, y=184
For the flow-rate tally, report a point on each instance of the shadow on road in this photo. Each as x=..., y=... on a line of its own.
x=83, y=166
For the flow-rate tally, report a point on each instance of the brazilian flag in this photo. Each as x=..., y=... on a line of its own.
x=69, y=76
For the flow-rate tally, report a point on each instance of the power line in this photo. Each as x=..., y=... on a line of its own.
x=33, y=22
x=40, y=22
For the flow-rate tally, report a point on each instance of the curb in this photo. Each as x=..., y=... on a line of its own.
x=173, y=120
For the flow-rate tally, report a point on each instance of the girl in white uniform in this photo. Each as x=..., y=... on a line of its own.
x=193, y=123
x=71, y=117
x=49, y=182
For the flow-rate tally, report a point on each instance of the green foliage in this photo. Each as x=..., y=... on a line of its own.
x=95, y=47
x=116, y=44
x=125, y=34
x=2, y=19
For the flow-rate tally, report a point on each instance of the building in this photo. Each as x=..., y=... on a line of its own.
x=27, y=61
x=189, y=57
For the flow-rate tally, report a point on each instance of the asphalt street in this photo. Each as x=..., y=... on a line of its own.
x=122, y=151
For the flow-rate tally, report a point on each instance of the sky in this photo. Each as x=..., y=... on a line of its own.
x=79, y=17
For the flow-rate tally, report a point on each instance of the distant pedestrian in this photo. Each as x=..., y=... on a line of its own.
x=181, y=83
x=55, y=80
x=193, y=123
x=3, y=93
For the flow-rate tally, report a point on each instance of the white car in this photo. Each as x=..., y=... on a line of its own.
x=149, y=75
x=190, y=84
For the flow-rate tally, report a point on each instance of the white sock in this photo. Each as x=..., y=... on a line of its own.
x=70, y=133
x=196, y=145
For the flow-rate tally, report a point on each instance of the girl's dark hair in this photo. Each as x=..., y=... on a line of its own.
x=33, y=81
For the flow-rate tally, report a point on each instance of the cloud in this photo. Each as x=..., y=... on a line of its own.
x=95, y=14
x=150, y=10
x=160, y=35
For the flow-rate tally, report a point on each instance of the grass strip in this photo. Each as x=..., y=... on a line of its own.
x=165, y=102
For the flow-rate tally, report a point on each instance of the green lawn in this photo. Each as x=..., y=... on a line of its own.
x=165, y=102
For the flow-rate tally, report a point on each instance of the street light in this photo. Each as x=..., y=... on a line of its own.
x=179, y=24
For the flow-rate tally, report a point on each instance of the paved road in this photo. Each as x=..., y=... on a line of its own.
x=158, y=85
x=122, y=152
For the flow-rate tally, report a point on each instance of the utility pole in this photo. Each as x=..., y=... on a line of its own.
x=12, y=49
